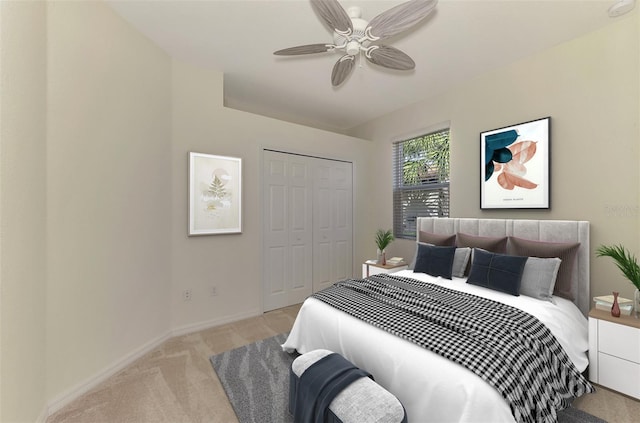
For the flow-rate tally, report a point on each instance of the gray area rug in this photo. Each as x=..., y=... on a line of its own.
x=256, y=380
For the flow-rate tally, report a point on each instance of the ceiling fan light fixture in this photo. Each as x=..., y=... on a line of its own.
x=353, y=48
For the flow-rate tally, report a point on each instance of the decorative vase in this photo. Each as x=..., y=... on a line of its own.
x=383, y=258
x=636, y=303
x=615, y=308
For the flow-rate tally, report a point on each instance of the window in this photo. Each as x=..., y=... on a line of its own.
x=420, y=181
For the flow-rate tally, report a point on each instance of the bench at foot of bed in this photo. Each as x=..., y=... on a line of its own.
x=326, y=384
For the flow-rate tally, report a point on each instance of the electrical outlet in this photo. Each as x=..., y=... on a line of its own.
x=186, y=295
x=214, y=291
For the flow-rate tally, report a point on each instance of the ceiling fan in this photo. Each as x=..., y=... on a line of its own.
x=353, y=35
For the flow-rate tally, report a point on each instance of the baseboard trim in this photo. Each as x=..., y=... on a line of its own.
x=42, y=418
x=196, y=327
x=82, y=388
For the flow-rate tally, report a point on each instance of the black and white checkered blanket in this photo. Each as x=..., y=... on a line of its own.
x=508, y=348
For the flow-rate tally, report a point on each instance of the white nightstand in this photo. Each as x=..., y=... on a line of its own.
x=614, y=352
x=369, y=269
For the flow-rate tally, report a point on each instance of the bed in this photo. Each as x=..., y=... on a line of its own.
x=431, y=387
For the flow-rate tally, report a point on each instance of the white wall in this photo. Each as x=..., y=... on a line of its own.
x=589, y=87
x=22, y=210
x=97, y=124
x=233, y=262
x=108, y=192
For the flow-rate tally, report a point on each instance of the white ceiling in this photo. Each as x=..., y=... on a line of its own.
x=460, y=40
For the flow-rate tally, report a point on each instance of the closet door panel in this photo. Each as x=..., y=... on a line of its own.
x=277, y=214
x=276, y=270
x=322, y=223
x=332, y=217
x=300, y=229
x=299, y=269
x=322, y=264
x=342, y=268
x=287, y=230
x=276, y=235
x=342, y=181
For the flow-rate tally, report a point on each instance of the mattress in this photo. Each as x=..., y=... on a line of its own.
x=431, y=388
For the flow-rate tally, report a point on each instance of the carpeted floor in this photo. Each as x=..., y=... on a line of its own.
x=176, y=382
x=255, y=377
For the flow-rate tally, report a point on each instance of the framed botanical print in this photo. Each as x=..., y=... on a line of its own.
x=215, y=194
x=515, y=166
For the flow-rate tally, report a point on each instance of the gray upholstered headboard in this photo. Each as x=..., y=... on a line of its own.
x=537, y=230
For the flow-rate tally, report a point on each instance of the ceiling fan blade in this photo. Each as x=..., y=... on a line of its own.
x=342, y=69
x=400, y=18
x=333, y=15
x=389, y=57
x=306, y=49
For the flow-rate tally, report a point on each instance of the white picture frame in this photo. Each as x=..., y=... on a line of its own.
x=215, y=194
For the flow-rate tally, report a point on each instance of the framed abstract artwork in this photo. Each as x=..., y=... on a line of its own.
x=215, y=194
x=515, y=166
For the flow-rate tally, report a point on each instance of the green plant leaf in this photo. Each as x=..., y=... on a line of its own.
x=384, y=238
x=626, y=262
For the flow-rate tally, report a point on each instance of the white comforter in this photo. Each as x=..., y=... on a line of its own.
x=431, y=388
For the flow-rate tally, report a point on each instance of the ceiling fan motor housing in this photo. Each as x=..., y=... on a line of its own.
x=352, y=42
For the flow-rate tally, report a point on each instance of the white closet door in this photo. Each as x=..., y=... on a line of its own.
x=287, y=229
x=332, y=222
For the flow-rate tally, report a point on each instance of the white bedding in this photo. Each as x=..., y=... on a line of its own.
x=431, y=388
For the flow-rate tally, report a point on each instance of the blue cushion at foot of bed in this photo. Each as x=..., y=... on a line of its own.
x=361, y=400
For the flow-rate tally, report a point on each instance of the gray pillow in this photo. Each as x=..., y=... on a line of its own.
x=539, y=277
x=564, y=251
x=460, y=260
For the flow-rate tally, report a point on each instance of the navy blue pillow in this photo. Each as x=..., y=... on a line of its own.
x=435, y=260
x=499, y=272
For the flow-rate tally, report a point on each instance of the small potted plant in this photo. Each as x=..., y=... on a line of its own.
x=383, y=239
x=627, y=264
